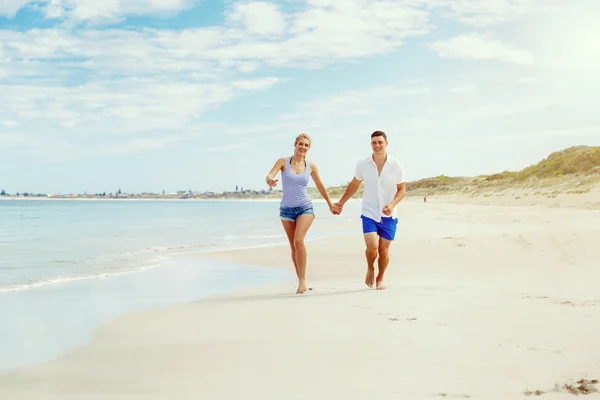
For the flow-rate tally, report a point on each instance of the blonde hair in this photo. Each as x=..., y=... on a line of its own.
x=303, y=136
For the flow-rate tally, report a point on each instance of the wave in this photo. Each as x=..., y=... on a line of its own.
x=136, y=261
x=67, y=279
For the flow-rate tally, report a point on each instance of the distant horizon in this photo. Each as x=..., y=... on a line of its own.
x=266, y=189
x=204, y=95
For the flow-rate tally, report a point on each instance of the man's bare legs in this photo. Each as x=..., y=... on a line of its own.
x=377, y=249
x=296, y=233
x=372, y=242
x=383, y=261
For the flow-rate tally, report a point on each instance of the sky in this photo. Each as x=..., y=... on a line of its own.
x=204, y=95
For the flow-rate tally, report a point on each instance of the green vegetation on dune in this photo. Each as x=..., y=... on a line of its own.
x=502, y=176
x=441, y=182
x=576, y=166
x=579, y=160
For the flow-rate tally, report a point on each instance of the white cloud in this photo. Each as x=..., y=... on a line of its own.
x=70, y=92
x=356, y=102
x=483, y=13
x=260, y=18
x=111, y=10
x=171, y=78
x=354, y=28
x=113, y=117
x=96, y=11
x=464, y=88
x=435, y=107
x=9, y=123
x=257, y=84
x=477, y=46
x=324, y=33
x=440, y=130
x=9, y=8
x=263, y=17
x=318, y=36
x=137, y=86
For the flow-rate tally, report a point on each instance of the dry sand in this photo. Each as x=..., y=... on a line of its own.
x=553, y=197
x=483, y=302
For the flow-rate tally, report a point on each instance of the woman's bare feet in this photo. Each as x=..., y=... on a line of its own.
x=380, y=285
x=370, y=277
x=301, y=287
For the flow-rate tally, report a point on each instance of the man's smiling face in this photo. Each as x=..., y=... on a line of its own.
x=378, y=144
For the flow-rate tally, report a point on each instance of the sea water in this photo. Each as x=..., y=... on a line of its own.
x=68, y=266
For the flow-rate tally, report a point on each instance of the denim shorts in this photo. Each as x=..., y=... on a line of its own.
x=292, y=213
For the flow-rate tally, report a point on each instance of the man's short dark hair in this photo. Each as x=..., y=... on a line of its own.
x=378, y=133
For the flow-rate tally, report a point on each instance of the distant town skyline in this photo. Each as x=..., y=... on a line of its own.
x=120, y=192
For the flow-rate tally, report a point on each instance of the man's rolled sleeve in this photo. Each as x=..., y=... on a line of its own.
x=400, y=178
x=358, y=171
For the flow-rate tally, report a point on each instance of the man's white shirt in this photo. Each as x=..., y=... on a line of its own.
x=379, y=190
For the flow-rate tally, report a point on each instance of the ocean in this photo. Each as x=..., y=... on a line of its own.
x=68, y=266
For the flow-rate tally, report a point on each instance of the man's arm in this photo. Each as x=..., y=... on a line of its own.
x=350, y=191
x=400, y=193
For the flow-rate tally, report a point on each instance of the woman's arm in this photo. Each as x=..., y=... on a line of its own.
x=279, y=165
x=320, y=187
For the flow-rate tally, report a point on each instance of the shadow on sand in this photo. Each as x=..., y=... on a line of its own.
x=277, y=296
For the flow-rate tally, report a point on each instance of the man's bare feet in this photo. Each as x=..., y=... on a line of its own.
x=380, y=285
x=301, y=287
x=370, y=277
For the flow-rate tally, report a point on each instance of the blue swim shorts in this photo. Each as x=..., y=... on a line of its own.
x=292, y=213
x=386, y=228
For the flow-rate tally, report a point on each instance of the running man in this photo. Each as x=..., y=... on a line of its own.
x=385, y=187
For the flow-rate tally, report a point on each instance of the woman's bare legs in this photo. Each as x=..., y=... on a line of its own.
x=296, y=233
x=303, y=223
x=290, y=231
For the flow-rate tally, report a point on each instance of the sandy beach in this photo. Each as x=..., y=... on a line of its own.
x=487, y=302
x=552, y=198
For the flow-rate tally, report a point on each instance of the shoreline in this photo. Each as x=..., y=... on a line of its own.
x=318, y=233
x=30, y=198
x=511, y=198
x=438, y=319
x=148, y=199
x=62, y=285
x=99, y=301
x=66, y=280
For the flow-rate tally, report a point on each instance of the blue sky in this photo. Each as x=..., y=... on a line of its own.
x=152, y=95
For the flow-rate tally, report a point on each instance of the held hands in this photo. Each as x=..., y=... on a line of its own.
x=336, y=208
